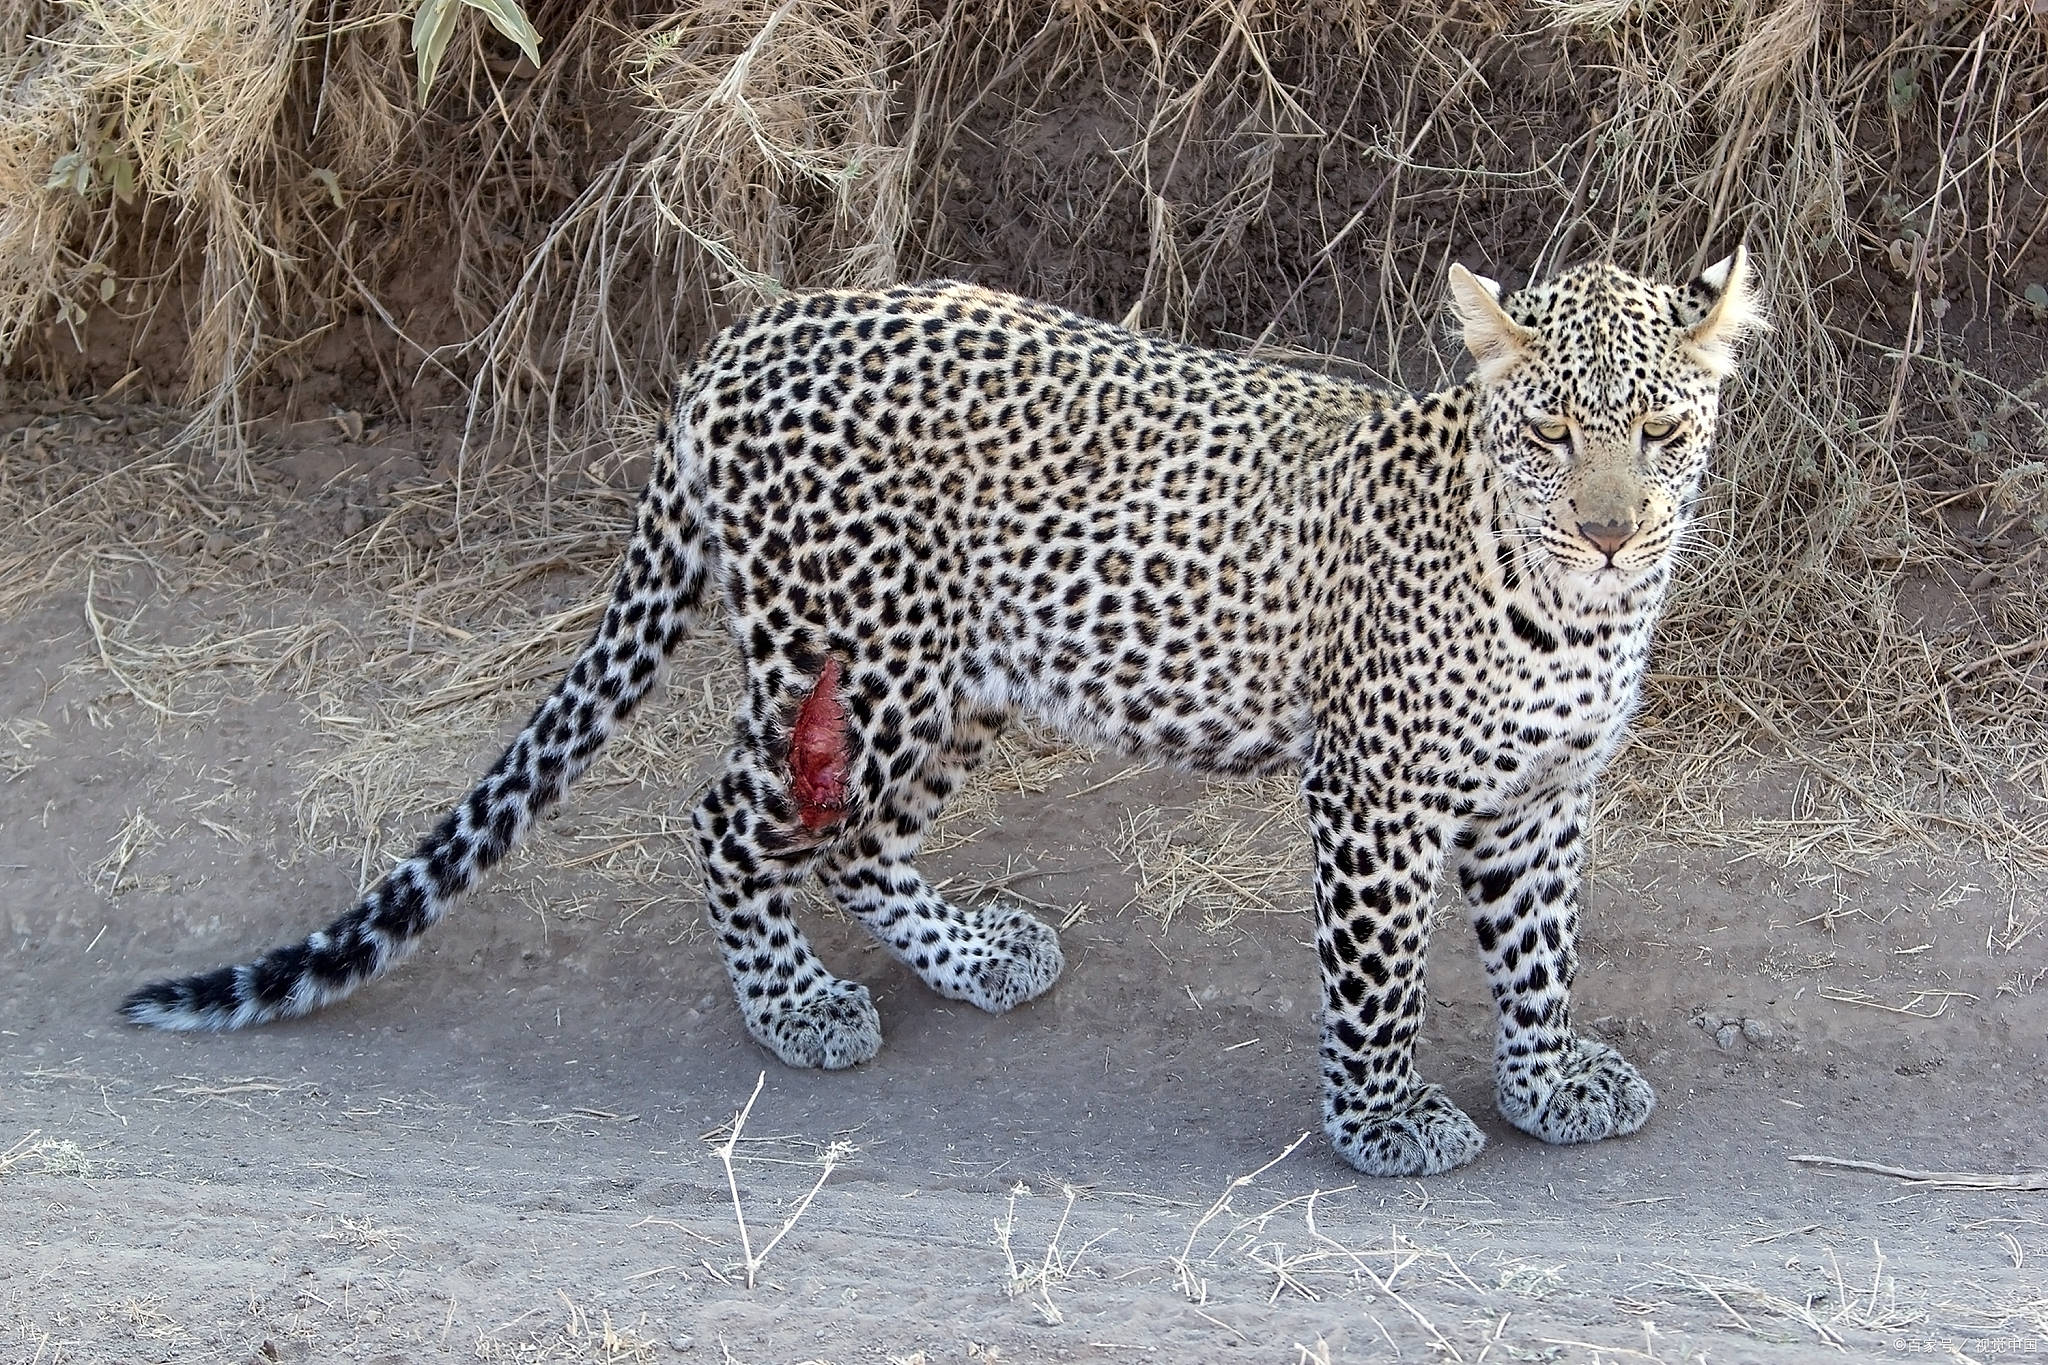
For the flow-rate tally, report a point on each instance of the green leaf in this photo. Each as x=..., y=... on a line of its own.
x=509, y=19
x=328, y=181
x=2037, y=298
x=107, y=289
x=433, y=24
x=70, y=171
x=1905, y=88
x=120, y=172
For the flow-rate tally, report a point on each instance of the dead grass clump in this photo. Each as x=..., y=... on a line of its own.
x=764, y=157
x=1035, y=1282
x=573, y=1333
x=44, y=1156
x=151, y=117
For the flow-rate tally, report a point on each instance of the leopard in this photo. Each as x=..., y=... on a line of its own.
x=933, y=511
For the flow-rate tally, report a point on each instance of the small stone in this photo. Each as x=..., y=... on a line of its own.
x=1758, y=1030
x=680, y=1342
x=353, y=521
x=1726, y=1036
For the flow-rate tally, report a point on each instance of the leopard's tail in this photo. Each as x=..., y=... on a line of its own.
x=661, y=593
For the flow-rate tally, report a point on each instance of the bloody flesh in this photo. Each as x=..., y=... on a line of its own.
x=817, y=753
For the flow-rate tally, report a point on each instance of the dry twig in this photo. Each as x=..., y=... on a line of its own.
x=1946, y=1180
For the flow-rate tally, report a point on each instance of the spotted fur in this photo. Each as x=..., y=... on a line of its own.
x=928, y=510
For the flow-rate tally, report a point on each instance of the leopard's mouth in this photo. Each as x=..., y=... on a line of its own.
x=1600, y=574
x=1582, y=562
x=1641, y=554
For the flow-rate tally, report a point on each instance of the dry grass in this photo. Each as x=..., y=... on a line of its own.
x=751, y=1260
x=1943, y=1180
x=1455, y=1279
x=567, y=1331
x=114, y=113
x=1034, y=1279
x=763, y=160
x=1239, y=847
x=225, y=199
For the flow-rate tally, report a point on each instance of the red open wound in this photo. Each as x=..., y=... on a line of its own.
x=817, y=753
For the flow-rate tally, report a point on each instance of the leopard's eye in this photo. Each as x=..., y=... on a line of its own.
x=1552, y=430
x=1659, y=428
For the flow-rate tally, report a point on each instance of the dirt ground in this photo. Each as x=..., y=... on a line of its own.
x=219, y=711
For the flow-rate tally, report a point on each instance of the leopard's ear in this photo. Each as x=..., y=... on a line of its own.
x=1495, y=340
x=1737, y=311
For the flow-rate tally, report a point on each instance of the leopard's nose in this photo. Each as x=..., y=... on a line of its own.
x=1607, y=536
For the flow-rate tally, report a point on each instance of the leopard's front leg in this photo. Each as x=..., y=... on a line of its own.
x=1521, y=871
x=1376, y=865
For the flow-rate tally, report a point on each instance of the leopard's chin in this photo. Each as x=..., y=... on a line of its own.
x=1607, y=584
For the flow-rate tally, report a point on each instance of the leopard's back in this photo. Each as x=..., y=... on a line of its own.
x=1110, y=530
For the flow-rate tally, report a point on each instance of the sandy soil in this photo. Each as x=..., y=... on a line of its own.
x=510, y=1149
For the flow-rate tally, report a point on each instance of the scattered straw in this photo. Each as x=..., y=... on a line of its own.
x=1192, y=1285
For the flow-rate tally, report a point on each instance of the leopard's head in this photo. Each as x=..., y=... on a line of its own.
x=1597, y=398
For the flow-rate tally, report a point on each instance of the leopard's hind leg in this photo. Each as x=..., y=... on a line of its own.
x=816, y=746
x=754, y=859
x=991, y=956
x=761, y=827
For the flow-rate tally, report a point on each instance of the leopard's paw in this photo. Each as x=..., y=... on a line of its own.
x=1422, y=1134
x=1589, y=1093
x=835, y=1025
x=1011, y=957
